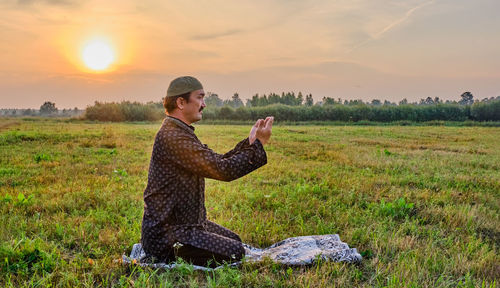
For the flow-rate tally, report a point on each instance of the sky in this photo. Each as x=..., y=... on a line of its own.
x=349, y=49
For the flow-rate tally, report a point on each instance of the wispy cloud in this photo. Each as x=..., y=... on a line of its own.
x=216, y=35
x=392, y=25
x=401, y=20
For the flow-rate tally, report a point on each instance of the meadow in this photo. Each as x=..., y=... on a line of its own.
x=421, y=204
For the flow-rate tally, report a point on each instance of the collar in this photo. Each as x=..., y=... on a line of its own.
x=180, y=123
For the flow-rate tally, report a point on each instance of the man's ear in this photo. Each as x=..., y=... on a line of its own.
x=180, y=102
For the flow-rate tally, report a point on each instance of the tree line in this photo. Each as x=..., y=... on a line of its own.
x=295, y=107
x=292, y=99
x=47, y=109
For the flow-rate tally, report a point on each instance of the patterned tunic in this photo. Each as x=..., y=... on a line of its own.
x=174, y=199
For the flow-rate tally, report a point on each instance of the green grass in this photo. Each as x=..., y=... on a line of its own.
x=421, y=203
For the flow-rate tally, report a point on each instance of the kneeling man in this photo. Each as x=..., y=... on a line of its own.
x=175, y=222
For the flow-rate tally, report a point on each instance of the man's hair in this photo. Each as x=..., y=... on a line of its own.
x=170, y=103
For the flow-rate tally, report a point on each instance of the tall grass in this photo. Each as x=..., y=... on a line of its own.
x=420, y=203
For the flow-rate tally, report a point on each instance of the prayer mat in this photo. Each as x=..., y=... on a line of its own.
x=295, y=251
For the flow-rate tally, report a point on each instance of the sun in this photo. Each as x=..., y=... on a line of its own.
x=98, y=55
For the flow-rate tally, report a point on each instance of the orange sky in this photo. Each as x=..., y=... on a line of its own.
x=356, y=49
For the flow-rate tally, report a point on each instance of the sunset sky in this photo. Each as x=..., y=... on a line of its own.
x=352, y=49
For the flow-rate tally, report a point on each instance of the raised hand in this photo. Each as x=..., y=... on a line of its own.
x=253, y=131
x=263, y=131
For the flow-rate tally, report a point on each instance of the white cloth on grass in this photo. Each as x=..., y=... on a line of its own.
x=295, y=251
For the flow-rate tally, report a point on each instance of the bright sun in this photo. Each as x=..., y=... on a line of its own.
x=98, y=55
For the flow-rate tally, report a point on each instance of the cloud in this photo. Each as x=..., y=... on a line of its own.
x=392, y=25
x=401, y=20
x=211, y=36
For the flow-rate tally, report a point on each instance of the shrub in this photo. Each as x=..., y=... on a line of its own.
x=134, y=111
x=486, y=111
x=124, y=111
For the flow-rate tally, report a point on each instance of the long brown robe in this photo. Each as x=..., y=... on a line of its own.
x=174, y=199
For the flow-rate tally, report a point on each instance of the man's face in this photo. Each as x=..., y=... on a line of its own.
x=192, y=109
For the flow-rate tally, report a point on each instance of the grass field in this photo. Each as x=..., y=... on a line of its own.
x=420, y=203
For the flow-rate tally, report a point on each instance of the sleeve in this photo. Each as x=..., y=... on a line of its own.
x=187, y=152
x=242, y=144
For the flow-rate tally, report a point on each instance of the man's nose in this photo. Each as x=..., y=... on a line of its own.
x=203, y=103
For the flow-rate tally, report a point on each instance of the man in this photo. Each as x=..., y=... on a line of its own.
x=174, y=222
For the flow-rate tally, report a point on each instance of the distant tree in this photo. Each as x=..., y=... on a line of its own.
x=466, y=98
x=28, y=112
x=263, y=101
x=328, y=101
x=437, y=100
x=376, y=102
x=48, y=108
x=213, y=99
x=388, y=103
x=403, y=102
x=426, y=101
x=236, y=101
x=309, y=100
x=287, y=99
x=273, y=98
x=355, y=102
x=299, y=99
x=254, y=101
